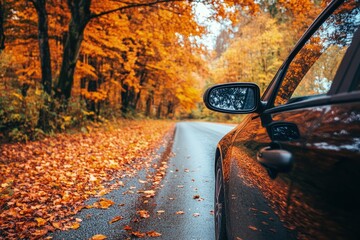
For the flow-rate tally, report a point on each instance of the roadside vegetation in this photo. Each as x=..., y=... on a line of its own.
x=44, y=183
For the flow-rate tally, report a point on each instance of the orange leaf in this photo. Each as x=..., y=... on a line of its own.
x=98, y=237
x=153, y=234
x=40, y=222
x=144, y=214
x=103, y=203
x=253, y=228
x=138, y=234
x=75, y=225
x=115, y=219
x=57, y=225
x=127, y=228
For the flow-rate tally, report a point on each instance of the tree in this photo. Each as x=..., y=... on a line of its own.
x=2, y=33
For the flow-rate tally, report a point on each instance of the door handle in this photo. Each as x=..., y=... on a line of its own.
x=278, y=160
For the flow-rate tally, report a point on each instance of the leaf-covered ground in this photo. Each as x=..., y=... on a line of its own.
x=43, y=183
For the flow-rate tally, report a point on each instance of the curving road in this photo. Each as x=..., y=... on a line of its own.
x=188, y=185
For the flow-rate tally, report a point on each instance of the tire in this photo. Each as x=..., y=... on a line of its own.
x=219, y=212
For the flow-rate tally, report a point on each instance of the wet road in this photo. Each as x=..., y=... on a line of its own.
x=187, y=188
x=188, y=185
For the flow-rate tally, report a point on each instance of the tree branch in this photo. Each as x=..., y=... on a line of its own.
x=133, y=5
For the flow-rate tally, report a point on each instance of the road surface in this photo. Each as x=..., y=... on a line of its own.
x=182, y=208
x=188, y=185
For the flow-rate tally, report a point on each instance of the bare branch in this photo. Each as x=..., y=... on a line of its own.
x=134, y=5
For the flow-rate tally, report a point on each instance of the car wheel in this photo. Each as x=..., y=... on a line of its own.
x=220, y=227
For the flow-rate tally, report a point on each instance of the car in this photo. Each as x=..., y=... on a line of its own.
x=291, y=168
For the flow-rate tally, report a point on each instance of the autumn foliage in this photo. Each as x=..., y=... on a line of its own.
x=43, y=183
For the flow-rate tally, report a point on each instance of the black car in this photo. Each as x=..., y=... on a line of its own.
x=291, y=169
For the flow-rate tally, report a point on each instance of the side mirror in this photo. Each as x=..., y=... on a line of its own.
x=233, y=98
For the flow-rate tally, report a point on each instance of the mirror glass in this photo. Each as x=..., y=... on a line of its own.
x=232, y=98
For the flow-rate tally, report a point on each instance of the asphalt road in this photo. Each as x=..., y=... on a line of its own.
x=188, y=185
x=182, y=208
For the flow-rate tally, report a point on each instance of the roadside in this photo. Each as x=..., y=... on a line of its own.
x=45, y=183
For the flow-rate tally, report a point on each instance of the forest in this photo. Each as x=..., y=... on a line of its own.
x=64, y=64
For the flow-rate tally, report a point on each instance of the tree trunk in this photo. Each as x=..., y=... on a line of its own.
x=45, y=61
x=80, y=16
x=158, y=114
x=148, y=106
x=2, y=30
x=45, y=58
x=70, y=57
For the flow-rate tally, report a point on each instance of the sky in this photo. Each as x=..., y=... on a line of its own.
x=203, y=13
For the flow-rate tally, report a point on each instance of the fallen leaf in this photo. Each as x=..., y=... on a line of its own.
x=40, y=222
x=159, y=212
x=115, y=219
x=252, y=228
x=57, y=225
x=153, y=234
x=98, y=237
x=143, y=213
x=138, y=234
x=196, y=196
x=103, y=203
x=75, y=225
x=127, y=228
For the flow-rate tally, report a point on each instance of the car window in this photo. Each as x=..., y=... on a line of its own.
x=312, y=71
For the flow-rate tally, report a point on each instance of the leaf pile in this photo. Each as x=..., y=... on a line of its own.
x=43, y=183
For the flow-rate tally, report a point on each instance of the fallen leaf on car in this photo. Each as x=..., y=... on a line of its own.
x=115, y=219
x=153, y=234
x=253, y=228
x=98, y=237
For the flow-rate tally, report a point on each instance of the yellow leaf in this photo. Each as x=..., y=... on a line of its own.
x=40, y=222
x=75, y=225
x=103, y=203
x=98, y=237
x=57, y=225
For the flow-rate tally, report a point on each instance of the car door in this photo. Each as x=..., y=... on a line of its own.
x=312, y=118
